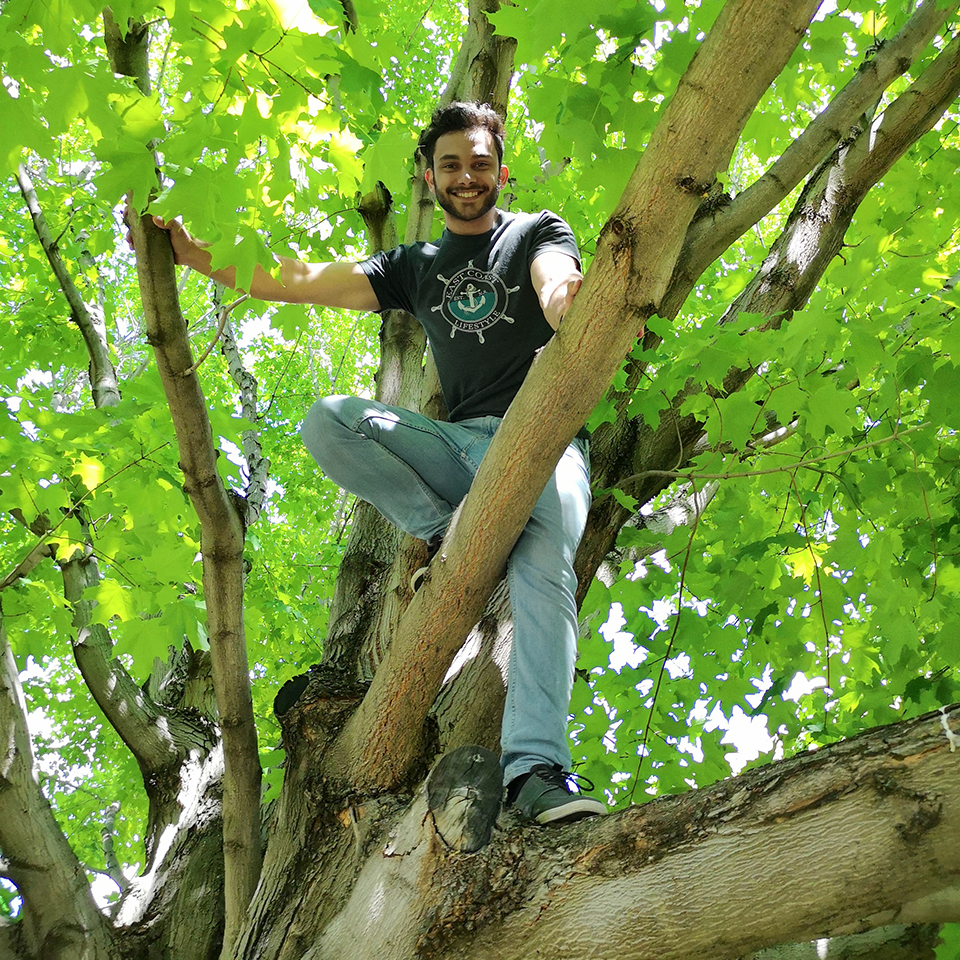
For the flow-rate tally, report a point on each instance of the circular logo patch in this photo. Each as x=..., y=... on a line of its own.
x=474, y=300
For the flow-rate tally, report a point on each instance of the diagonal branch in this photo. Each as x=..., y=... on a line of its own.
x=157, y=738
x=797, y=260
x=103, y=377
x=635, y=258
x=708, y=237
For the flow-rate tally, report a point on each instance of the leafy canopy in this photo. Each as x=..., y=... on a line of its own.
x=830, y=554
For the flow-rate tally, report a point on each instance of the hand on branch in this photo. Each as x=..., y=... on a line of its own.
x=556, y=277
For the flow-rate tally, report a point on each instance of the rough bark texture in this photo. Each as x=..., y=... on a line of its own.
x=642, y=460
x=679, y=877
x=60, y=918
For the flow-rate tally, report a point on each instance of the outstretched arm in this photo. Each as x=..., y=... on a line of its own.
x=333, y=284
x=556, y=278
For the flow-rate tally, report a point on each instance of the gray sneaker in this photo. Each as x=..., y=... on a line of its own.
x=420, y=574
x=544, y=795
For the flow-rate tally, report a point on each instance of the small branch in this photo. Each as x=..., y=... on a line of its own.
x=807, y=462
x=643, y=751
x=103, y=376
x=13, y=576
x=38, y=553
x=129, y=710
x=107, y=838
x=224, y=313
x=258, y=466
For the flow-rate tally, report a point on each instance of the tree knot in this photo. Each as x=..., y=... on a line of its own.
x=690, y=184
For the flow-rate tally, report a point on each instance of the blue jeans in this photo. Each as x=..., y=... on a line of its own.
x=416, y=471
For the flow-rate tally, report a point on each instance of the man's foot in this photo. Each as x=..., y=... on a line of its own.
x=420, y=574
x=544, y=795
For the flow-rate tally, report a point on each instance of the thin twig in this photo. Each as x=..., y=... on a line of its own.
x=666, y=656
x=735, y=475
x=224, y=313
x=7, y=581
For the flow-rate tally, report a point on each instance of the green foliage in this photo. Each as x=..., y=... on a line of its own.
x=948, y=947
x=829, y=555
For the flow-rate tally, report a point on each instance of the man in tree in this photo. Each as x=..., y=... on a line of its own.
x=490, y=293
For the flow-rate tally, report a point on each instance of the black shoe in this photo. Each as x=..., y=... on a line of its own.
x=420, y=574
x=544, y=795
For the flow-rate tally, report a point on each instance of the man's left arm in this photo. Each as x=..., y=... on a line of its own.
x=556, y=278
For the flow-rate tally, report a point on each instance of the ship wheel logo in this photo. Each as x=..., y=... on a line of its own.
x=474, y=300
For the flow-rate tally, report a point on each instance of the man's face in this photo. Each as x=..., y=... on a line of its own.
x=466, y=179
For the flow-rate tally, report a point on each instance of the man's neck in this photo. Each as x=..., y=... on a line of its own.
x=472, y=228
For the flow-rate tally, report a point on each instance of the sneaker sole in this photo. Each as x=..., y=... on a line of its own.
x=578, y=809
x=418, y=578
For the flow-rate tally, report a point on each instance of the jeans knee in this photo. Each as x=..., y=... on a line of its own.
x=321, y=425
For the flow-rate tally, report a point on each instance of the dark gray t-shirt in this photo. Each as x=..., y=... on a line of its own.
x=474, y=297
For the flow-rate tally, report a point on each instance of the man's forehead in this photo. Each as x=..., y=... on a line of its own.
x=477, y=141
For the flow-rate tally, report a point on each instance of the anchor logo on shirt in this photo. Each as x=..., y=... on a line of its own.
x=473, y=300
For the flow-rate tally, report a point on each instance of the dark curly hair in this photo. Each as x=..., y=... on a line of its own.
x=458, y=116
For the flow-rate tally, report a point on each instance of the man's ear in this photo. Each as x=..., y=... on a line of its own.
x=504, y=175
x=428, y=176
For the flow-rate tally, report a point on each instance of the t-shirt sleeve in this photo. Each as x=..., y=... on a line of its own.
x=389, y=273
x=552, y=234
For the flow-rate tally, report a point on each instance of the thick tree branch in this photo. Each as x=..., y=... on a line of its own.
x=60, y=918
x=811, y=238
x=635, y=258
x=158, y=739
x=829, y=843
x=222, y=532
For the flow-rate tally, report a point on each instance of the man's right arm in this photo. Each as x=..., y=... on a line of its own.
x=332, y=284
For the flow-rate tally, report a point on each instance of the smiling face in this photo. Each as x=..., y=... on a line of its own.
x=466, y=179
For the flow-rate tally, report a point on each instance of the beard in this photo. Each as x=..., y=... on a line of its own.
x=448, y=203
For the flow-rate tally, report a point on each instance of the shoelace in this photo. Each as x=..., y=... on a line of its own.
x=558, y=777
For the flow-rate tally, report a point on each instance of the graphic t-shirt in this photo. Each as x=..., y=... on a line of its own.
x=474, y=298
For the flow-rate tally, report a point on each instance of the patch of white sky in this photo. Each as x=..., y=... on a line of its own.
x=747, y=734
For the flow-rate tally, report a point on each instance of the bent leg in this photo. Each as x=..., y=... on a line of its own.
x=543, y=597
x=414, y=470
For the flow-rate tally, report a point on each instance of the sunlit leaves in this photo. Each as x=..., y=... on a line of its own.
x=829, y=550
